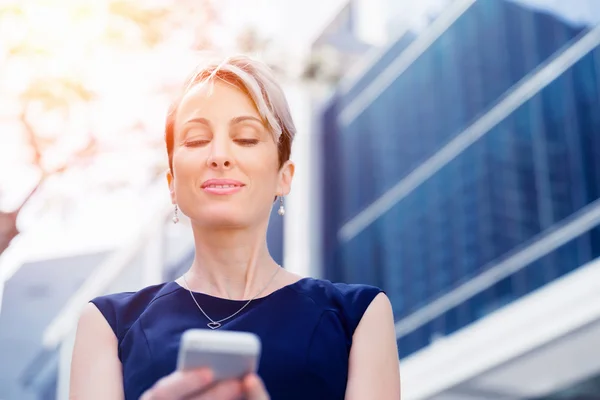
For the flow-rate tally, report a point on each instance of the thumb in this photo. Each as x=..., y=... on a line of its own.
x=255, y=388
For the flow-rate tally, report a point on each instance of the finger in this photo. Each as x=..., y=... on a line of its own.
x=179, y=384
x=254, y=388
x=226, y=390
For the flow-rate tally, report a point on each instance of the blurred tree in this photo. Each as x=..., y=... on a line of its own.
x=251, y=41
x=323, y=66
x=46, y=46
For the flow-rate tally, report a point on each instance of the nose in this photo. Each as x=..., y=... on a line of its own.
x=220, y=157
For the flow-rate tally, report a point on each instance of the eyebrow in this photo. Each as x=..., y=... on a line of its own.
x=233, y=121
x=243, y=118
x=198, y=120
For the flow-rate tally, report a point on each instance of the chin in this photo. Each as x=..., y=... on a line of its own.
x=222, y=223
x=231, y=218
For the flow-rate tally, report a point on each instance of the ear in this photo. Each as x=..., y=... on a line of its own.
x=286, y=174
x=170, y=182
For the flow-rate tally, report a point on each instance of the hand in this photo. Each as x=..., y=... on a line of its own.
x=254, y=388
x=198, y=385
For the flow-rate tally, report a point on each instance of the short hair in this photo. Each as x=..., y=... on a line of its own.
x=254, y=78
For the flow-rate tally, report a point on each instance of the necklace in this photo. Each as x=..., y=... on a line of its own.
x=217, y=324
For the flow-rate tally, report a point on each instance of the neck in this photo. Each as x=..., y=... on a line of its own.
x=233, y=263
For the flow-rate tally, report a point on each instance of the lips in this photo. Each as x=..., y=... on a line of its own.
x=221, y=183
x=222, y=186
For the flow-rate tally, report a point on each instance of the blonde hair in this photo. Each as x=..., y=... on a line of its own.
x=254, y=78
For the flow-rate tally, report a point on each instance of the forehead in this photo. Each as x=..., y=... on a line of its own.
x=215, y=100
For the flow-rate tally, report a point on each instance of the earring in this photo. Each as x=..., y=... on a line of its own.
x=176, y=215
x=281, y=210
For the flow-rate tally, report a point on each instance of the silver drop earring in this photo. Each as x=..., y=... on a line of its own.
x=176, y=215
x=281, y=210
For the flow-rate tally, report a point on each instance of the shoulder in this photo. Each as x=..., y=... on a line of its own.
x=348, y=301
x=374, y=370
x=122, y=309
x=336, y=295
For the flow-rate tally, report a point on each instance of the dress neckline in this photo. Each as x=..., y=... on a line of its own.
x=216, y=298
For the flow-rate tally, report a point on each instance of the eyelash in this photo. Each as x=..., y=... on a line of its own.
x=247, y=142
x=196, y=143
x=243, y=142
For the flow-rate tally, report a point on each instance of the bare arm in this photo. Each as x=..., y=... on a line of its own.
x=95, y=366
x=374, y=371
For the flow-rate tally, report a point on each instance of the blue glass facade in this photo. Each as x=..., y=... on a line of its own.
x=526, y=176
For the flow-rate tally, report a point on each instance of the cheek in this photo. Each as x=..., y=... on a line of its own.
x=189, y=163
x=266, y=172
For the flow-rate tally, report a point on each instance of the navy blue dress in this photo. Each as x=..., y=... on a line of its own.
x=306, y=331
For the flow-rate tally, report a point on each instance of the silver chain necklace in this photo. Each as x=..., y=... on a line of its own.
x=217, y=324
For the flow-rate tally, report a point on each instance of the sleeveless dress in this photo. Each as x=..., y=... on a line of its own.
x=305, y=328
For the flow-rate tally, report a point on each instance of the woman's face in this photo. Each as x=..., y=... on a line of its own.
x=225, y=161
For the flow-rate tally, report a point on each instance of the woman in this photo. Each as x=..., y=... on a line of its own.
x=228, y=140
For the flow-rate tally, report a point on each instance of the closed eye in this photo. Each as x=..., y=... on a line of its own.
x=247, y=142
x=196, y=143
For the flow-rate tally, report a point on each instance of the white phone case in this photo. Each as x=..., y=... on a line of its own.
x=229, y=354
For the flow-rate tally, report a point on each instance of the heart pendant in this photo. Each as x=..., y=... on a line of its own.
x=213, y=325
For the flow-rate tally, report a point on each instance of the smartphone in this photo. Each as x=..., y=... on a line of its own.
x=230, y=355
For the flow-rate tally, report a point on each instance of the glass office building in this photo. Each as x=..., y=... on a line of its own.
x=466, y=162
